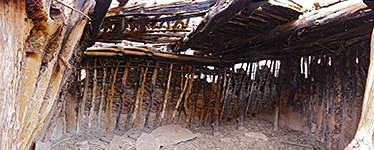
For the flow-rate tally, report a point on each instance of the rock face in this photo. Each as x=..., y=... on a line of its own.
x=163, y=136
x=121, y=143
x=172, y=134
x=147, y=142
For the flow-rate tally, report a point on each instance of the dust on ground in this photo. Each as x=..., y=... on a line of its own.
x=257, y=134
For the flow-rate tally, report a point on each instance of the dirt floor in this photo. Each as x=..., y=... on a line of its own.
x=257, y=134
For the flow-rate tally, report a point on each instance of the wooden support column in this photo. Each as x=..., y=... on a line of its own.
x=241, y=99
x=204, y=100
x=110, y=102
x=133, y=100
x=217, y=101
x=139, y=99
x=93, y=100
x=102, y=98
x=210, y=99
x=83, y=101
x=172, y=93
x=363, y=137
x=142, y=93
x=197, y=87
x=164, y=89
x=189, y=89
x=154, y=76
x=123, y=86
x=179, y=100
x=224, y=98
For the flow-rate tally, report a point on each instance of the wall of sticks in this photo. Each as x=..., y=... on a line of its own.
x=323, y=95
x=319, y=95
x=113, y=94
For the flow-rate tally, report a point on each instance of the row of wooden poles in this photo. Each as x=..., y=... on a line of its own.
x=226, y=84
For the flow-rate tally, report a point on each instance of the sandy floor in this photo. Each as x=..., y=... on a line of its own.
x=257, y=135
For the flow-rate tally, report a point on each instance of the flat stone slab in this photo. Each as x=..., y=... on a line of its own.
x=121, y=143
x=255, y=135
x=172, y=134
x=42, y=146
x=147, y=142
x=83, y=145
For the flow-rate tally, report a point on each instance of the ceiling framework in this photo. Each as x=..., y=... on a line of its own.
x=159, y=24
x=244, y=30
x=277, y=31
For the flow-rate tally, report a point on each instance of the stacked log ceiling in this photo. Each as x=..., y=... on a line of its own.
x=39, y=46
x=158, y=24
x=326, y=104
x=275, y=32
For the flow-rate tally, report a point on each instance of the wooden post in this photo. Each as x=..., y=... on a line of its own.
x=179, y=100
x=240, y=100
x=152, y=95
x=164, y=89
x=224, y=98
x=172, y=94
x=124, y=79
x=83, y=102
x=204, y=100
x=196, y=97
x=142, y=93
x=363, y=137
x=249, y=88
x=210, y=99
x=110, y=103
x=139, y=97
x=217, y=100
x=93, y=101
x=102, y=97
x=135, y=94
x=190, y=86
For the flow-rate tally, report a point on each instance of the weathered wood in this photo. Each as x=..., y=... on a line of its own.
x=110, y=102
x=201, y=118
x=84, y=99
x=219, y=15
x=210, y=99
x=179, y=100
x=101, y=8
x=217, y=102
x=242, y=101
x=172, y=93
x=226, y=93
x=133, y=100
x=102, y=98
x=164, y=89
x=93, y=100
x=163, y=56
x=363, y=136
x=123, y=86
x=197, y=88
x=152, y=95
x=139, y=98
x=189, y=89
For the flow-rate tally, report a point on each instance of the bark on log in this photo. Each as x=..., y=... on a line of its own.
x=82, y=103
x=123, y=86
x=363, y=137
x=153, y=84
x=33, y=60
x=93, y=100
x=102, y=98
